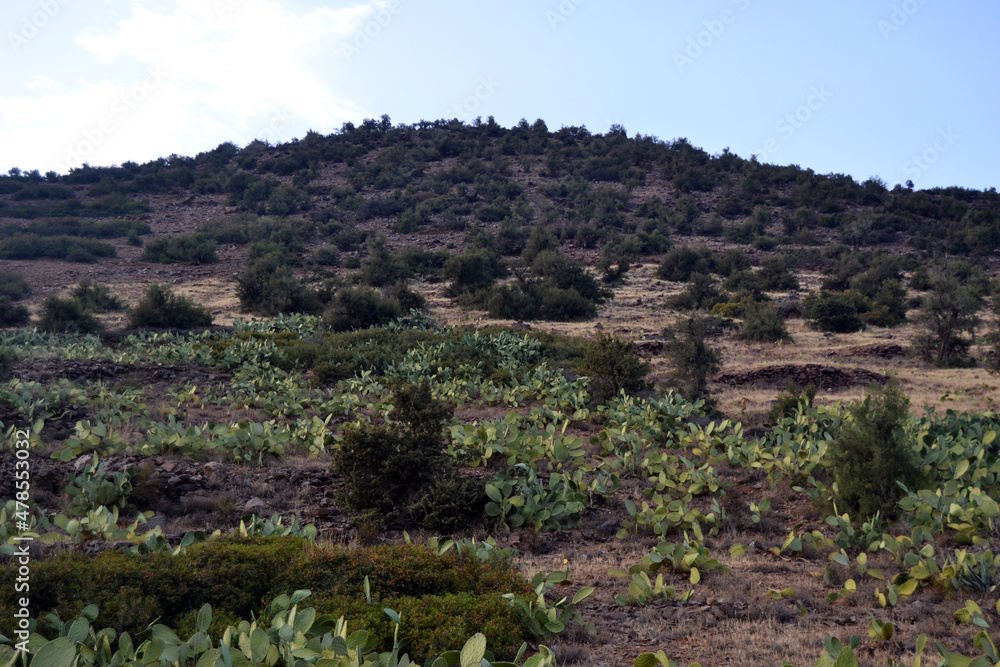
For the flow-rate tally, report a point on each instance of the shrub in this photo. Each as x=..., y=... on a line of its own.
x=787, y=402
x=700, y=294
x=836, y=312
x=949, y=311
x=472, y=271
x=326, y=255
x=360, y=308
x=12, y=314
x=451, y=504
x=70, y=248
x=763, y=324
x=6, y=363
x=382, y=267
x=162, y=309
x=566, y=274
x=871, y=452
x=680, y=263
x=13, y=286
x=189, y=248
x=267, y=287
x=96, y=298
x=66, y=316
x=385, y=467
x=694, y=361
x=612, y=366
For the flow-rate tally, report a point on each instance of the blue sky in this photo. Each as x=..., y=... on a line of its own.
x=900, y=89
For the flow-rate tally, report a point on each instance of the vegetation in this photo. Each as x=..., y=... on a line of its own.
x=613, y=367
x=162, y=309
x=190, y=249
x=66, y=316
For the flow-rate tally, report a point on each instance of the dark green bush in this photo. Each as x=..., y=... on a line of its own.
x=681, y=262
x=871, y=453
x=700, y=294
x=326, y=255
x=189, y=248
x=386, y=467
x=162, y=309
x=66, y=316
x=96, y=298
x=451, y=504
x=13, y=286
x=12, y=314
x=837, y=312
x=763, y=324
x=70, y=248
x=693, y=359
x=612, y=366
x=360, y=308
x=267, y=287
x=239, y=576
x=472, y=271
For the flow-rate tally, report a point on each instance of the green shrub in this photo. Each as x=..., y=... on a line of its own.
x=13, y=286
x=612, y=366
x=189, y=248
x=700, y=294
x=949, y=312
x=385, y=467
x=836, y=312
x=693, y=360
x=267, y=287
x=871, y=452
x=326, y=255
x=472, y=271
x=680, y=263
x=451, y=504
x=96, y=298
x=70, y=248
x=161, y=308
x=787, y=402
x=437, y=595
x=360, y=308
x=763, y=324
x=12, y=314
x=66, y=316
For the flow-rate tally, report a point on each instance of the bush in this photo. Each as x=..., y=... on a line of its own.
x=763, y=324
x=612, y=366
x=680, y=263
x=438, y=595
x=189, y=248
x=871, y=452
x=700, y=294
x=472, y=271
x=326, y=255
x=96, y=298
x=162, y=309
x=13, y=286
x=694, y=361
x=360, y=308
x=267, y=287
x=787, y=402
x=836, y=312
x=66, y=316
x=386, y=467
x=69, y=248
x=12, y=314
x=949, y=311
x=6, y=363
x=451, y=504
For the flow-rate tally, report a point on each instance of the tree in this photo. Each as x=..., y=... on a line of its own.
x=66, y=316
x=694, y=361
x=949, y=311
x=267, y=287
x=612, y=366
x=871, y=452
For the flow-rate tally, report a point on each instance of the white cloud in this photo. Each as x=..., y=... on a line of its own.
x=228, y=70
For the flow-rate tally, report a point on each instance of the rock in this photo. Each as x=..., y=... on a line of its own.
x=158, y=521
x=254, y=505
x=82, y=463
x=171, y=466
x=212, y=471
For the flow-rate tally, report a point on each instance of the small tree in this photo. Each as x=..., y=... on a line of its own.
x=613, y=366
x=871, y=452
x=162, y=309
x=948, y=312
x=763, y=324
x=96, y=298
x=66, y=316
x=694, y=361
x=267, y=287
x=360, y=308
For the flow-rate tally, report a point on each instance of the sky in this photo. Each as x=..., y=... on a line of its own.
x=898, y=89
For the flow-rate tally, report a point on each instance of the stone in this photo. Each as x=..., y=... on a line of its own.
x=255, y=504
